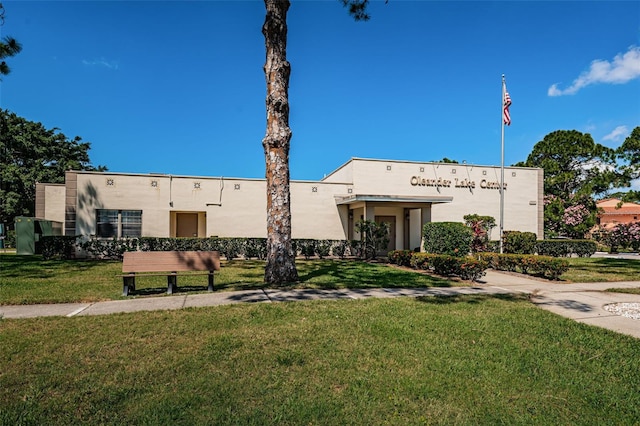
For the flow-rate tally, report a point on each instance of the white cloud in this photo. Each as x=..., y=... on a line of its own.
x=617, y=134
x=624, y=67
x=112, y=65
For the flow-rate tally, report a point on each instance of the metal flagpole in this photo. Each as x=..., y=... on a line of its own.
x=502, y=99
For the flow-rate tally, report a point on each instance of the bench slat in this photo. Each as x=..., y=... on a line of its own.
x=170, y=261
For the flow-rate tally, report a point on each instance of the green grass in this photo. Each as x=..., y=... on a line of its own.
x=600, y=269
x=625, y=290
x=463, y=360
x=31, y=280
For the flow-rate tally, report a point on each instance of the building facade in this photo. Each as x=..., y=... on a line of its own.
x=405, y=194
x=613, y=212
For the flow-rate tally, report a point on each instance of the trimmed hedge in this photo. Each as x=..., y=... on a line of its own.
x=57, y=247
x=400, y=257
x=473, y=268
x=566, y=248
x=519, y=242
x=467, y=267
x=63, y=247
x=545, y=266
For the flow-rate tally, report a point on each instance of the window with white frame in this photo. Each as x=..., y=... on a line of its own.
x=118, y=223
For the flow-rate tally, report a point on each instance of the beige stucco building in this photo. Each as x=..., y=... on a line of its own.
x=405, y=194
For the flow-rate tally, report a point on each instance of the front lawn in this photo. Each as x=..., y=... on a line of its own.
x=601, y=269
x=30, y=280
x=407, y=361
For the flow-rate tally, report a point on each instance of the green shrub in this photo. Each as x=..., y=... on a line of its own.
x=422, y=260
x=113, y=248
x=450, y=238
x=57, y=247
x=467, y=267
x=471, y=269
x=445, y=265
x=531, y=264
x=306, y=247
x=374, y=237
x=255, y=248
x=231, y=248
x=400, y=257
x=323, y=248
x=517, y=242
x=551, y=267
x=340, y=248
x=562, y=248
x=554, y=248
x=10, y=239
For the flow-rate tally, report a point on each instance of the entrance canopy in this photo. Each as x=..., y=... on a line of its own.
x=418, y=201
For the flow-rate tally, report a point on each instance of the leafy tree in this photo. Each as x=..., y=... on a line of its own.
x=623, y=235
x=31, y=153
x=8, y=47
x=629, y=154
x=573, y=216
x=280, y=266
x=576, y=169
x=574, y=164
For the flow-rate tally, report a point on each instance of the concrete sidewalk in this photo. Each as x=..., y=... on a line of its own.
x=582, y=302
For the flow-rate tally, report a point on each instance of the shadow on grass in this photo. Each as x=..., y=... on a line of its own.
x=471, y=299
x=334, y=274
x=606, y=266
x=509, y=297
x=33, y=266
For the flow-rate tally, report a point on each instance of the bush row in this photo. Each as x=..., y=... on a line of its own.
x=545, y=266
x=566, y=248
x=63, y=247
x=515, y=242
x=465, y=267
x=473, y=268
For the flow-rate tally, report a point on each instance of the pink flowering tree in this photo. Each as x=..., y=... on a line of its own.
x=573, y=216
x=624, y=235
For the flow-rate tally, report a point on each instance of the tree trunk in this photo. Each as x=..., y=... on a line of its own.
x=281, y=267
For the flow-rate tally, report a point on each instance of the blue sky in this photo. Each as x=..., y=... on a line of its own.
x=178, y=87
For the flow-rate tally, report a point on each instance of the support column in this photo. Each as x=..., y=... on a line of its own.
x=425, y=217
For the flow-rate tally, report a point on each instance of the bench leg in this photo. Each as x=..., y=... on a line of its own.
x=128, y=285
x=210, y=287
x=172, y=283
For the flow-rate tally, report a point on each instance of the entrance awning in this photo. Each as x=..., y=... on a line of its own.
x=359, y=198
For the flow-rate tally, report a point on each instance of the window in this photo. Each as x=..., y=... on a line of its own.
x=131, y=221
x=118, y=223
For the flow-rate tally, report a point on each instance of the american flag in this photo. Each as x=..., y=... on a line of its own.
x=506, y=103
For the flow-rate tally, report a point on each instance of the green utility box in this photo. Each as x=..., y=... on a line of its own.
x=29, y=230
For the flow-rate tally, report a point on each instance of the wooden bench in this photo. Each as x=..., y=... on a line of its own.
x=169, y=263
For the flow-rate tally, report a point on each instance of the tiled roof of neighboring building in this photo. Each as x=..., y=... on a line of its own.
x=610, y=206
